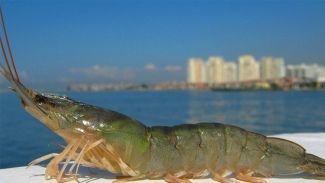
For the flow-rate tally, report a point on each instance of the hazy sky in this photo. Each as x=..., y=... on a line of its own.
x=151, y=40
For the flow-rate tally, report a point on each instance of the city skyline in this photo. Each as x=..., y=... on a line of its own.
x=217, y=70
x=142, y=41
x=173, y=73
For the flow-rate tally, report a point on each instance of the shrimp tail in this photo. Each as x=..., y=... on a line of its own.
x=287, y=158
x=314, y=165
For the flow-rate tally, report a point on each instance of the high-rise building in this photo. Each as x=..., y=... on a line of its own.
x=304, y=71
x=272, y=68
x=320, y=74
x=279, y=68
x=214, y=69
x=311, y=71
x=196, y=71
x=230, y=72
x=266, y=68
x=248, y=68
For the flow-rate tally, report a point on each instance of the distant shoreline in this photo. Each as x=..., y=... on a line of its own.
x=272, y=85
x=173, y=89
x=254, y=85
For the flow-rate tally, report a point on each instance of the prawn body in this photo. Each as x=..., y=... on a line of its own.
x=128, y=147
x=112, y=141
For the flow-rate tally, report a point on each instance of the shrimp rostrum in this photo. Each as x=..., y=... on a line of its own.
x=111, y=141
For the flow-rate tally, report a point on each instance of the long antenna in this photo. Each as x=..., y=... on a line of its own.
x=8, y=45
x=6, y=59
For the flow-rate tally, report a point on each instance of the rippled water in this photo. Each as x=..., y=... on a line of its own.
x=23, y=138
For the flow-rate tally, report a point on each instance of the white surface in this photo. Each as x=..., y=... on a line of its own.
x=314, y=143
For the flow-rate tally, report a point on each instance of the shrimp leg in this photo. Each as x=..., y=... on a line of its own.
x=127, y=179
x=173, y=179
x=43, y=158
x=68, y=159
x=219, y=177
x=77, y=161
x=53, y=167
x=244, y=175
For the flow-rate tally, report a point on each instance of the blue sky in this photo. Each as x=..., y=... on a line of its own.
x=151, y=40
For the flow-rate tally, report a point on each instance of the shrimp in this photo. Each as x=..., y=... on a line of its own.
x=108, y=140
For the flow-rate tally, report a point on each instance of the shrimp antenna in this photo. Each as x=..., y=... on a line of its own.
x=6, y=60
x=9, y=50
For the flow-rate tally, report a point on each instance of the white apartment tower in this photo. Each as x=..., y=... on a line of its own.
x=196, y=71
x=230, y=72
x=279, y=67
x=215, y=71
x=267, y=68
x=306, y=71
x=272, y=68
x=248, y=68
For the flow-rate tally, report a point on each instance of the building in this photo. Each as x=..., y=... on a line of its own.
x=266, y=68
x=248, y=68
x=214, y=70
x=321, y=74
x=272, y=68
x=279, y=68
x=295, y=71
x=312, y=71
x=196, y=71
x=230, y=72
x=305, y=71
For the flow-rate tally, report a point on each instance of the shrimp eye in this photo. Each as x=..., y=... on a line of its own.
x=40, y=99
